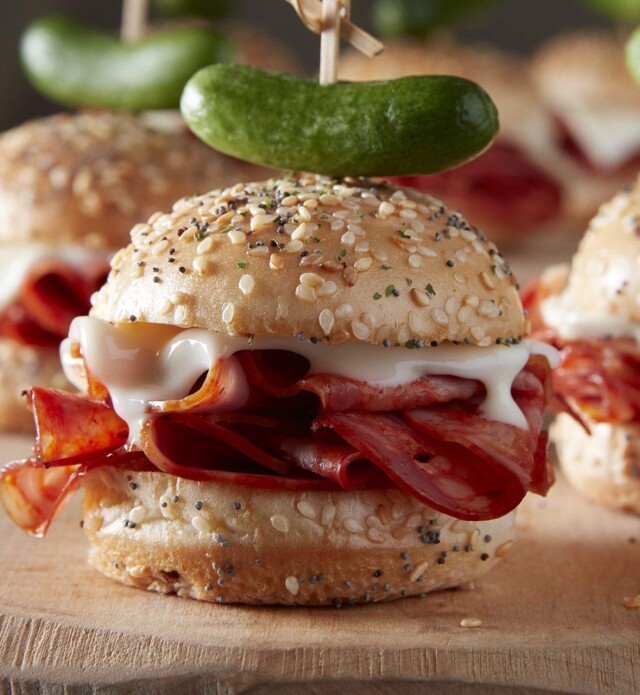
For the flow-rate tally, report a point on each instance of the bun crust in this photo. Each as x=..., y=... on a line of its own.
x=604, y=277
x=243, y=545
x=86, y=178
x=585, y=68
x=22, y=367
x=504, y=76
x=359, y=262
x=604, y=465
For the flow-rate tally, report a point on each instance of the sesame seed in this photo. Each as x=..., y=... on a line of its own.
x=465, y=315
x=200, y=524
x=330, y=200
x=472, y=300
x=280, y=523
x=326, y=320
x=420, y=297
x=415, y=261
x=353, y=525
x=327, y=289
x=328, y=514
x=360, y=330
x=419, y=571
x=487, y=281
x=306, y=509
x=302, y=232
x=311, y=279
x=470, y=622
x=305, y=293
x=362, y=247
x=178, y=298
x=201, y=265
x=246, y=284
x=348, y=238
x=363, y=264
x=137, y=572
x=237, y=237
x=276, y=262
x=350, y=275
x=205, y=245
x=439, y=316
x=137, y=514
x=304, y=214
x=503, y=549
x=294, y=246
x=385, y=209
x=228, y=312
x=292, y=585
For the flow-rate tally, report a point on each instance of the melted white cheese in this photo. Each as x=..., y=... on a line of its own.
x=139, y=363
x=559, y=313
x=17, y=260
x=608, y=137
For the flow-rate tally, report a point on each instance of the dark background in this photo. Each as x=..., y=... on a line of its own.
x=519, y=25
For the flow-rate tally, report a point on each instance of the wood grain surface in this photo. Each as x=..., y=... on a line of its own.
x=553, y=620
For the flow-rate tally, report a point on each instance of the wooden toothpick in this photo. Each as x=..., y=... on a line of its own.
x=330, y=41
x=134, y=19
x=331, y=19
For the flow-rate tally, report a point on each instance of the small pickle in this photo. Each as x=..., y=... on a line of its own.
x=413, y=125
x=207, y=9
x=78, y=66
x=418, y=18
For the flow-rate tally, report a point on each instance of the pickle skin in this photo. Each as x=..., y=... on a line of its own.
x=413, y=125
x=74, y=65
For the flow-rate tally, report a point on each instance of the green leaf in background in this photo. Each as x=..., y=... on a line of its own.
x=622, y=10
x=633, y=55
x=418, y=18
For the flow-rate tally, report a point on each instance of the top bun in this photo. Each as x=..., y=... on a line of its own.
x=504, y=76
x=87, y=178
x=341, y=261
x=605, y=272
x=585, y=69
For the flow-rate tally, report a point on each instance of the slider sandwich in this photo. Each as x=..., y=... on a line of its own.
x=71, y=187
x=584, y=83
x=591, y=313
x=297, y=391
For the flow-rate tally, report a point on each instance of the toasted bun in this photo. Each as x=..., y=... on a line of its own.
x=87, y=178
x=346, y=248
x=586, y=69
x=22, y=367
x=504, y=76
x=603, y=465
x=235, y=544
x=605, y=277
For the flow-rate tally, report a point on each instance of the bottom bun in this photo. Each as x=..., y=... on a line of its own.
x=234, y=544
x=21, y=367
x=603, y=465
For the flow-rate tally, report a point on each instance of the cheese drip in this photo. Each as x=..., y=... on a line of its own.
x=139, y=363
x=18, y=259
x=558, y=312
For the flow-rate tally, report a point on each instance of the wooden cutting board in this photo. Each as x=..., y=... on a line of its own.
x=553, y=620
